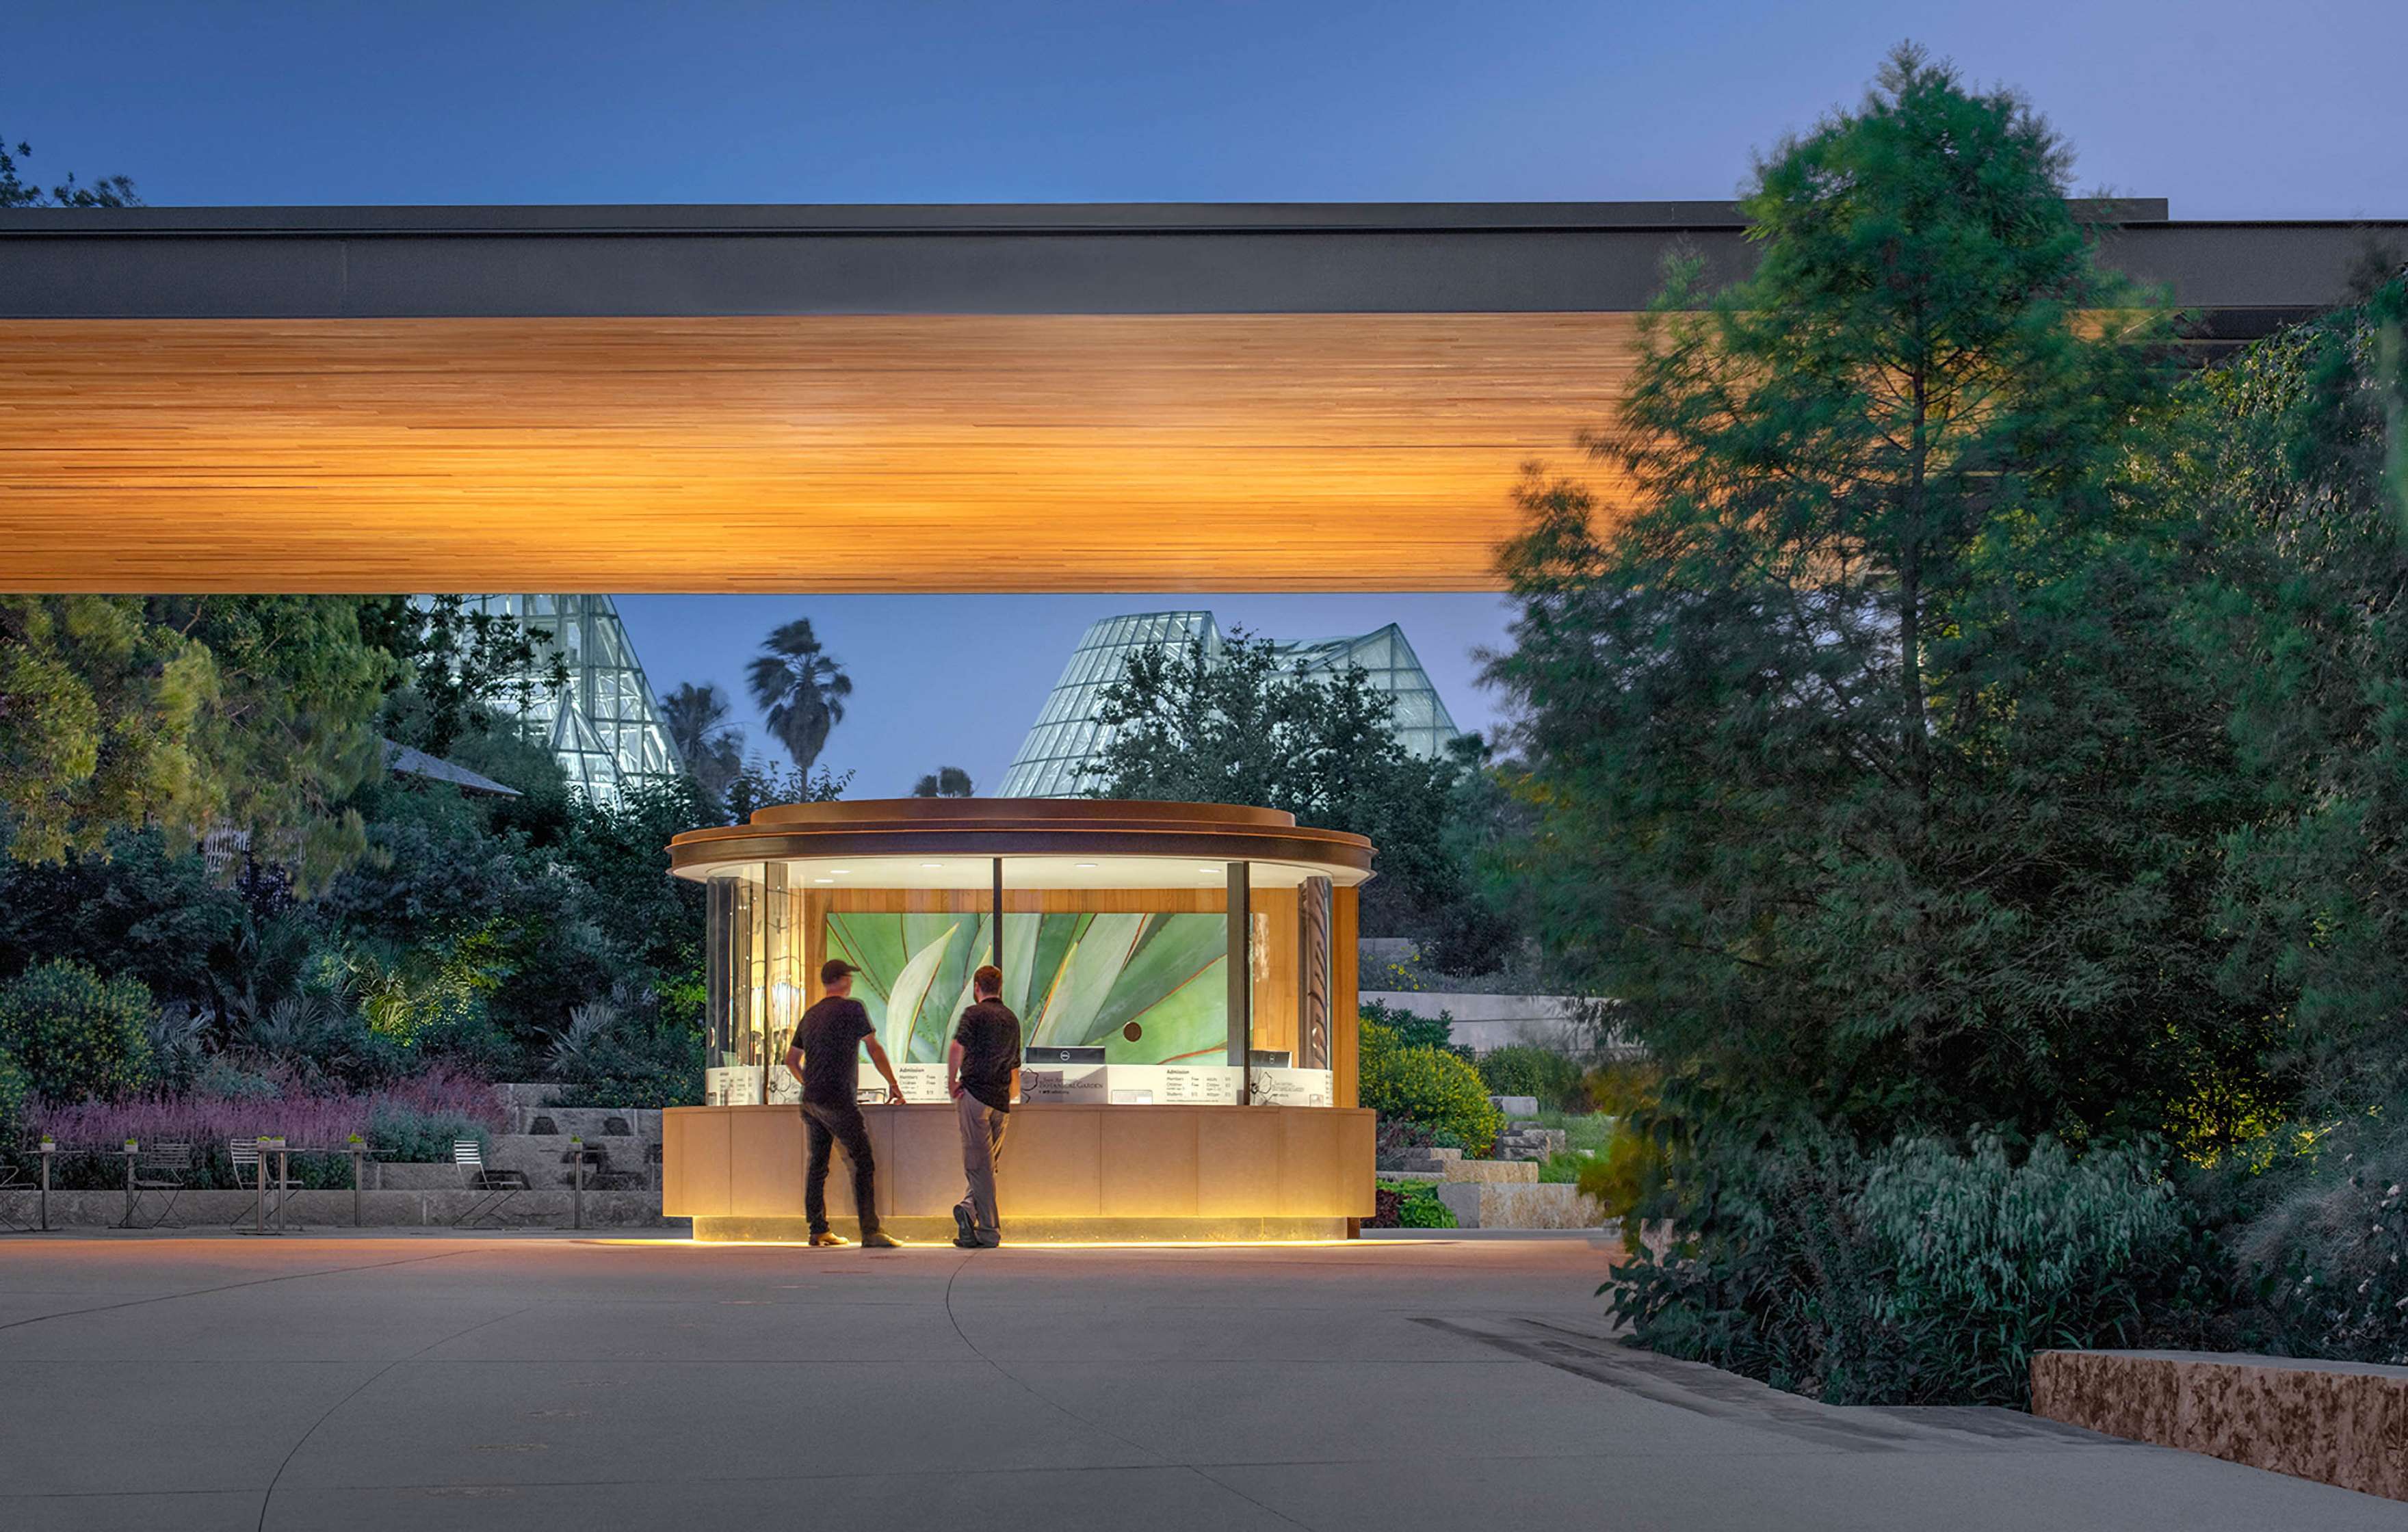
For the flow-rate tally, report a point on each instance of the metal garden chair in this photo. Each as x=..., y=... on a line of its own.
x=14, y=1180
x=164, y=1166
x=248, y=1157
x=499, y=1187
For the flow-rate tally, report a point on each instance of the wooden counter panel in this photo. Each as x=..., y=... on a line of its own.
x=1238, y=1161
x=1059, y=1163
x=765, y=1156
x=919, y=1168
x=694, y=1163
x=1149, y=1163
x=1053, y=1163
x=1311, y=1165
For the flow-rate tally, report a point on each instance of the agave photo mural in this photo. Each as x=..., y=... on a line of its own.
x=1073, y=980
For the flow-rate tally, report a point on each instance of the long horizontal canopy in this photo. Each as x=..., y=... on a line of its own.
x=858, y=399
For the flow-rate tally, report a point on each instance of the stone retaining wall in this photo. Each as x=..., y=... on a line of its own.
x=334, y=1210
x=2341, y=1422
x=1528, y=1204
x=1449, y=1165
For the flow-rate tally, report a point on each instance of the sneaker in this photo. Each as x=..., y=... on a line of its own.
x=965, y=1241
x=825, y=1237
x=968, y=1238
x=876, y=1240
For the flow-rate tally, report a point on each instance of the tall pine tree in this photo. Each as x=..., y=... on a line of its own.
x=1869, y=776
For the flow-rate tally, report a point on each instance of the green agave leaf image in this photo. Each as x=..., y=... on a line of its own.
x=1085, y=979
x=1171, y=955
x=911, y=991
x=1074, y=980
x=873, y=944
x=934, y=1030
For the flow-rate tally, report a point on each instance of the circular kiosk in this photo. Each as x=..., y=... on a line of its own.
x=1185, y=978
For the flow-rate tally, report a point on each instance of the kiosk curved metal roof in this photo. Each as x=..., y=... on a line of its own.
x=1047, y=843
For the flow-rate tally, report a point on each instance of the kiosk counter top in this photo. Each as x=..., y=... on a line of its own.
x=1067, y=1172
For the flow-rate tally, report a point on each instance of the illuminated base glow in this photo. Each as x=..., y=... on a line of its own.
x=1044, y=1231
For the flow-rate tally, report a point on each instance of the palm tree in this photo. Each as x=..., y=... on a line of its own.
x=712, y=747
x=799, y=685
x=945, y=782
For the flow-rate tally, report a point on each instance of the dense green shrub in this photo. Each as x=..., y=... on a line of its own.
x=77, y=1036
x=1566, y=1168
x=1524, y=1070
x=413, y=1137
x=2329, y=1259
x=222, y=1080
x=1429, y=1086
x=1417, y=1205
x=1922, y=1274
x=1410, y=1030
x=12, y=1098
x=1395, y=1138
x=608, y=1058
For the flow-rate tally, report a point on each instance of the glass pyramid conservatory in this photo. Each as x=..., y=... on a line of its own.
x=1069, y=735
x=605, y=725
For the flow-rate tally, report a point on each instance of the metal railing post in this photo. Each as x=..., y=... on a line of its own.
x=577, y=1179
x=1241, y=978
x=132, y=1145
x=358, y=1150
x=50, y=1147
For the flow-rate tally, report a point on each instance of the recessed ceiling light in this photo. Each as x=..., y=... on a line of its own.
x=841, y=872
x=931, y=866
x=822, y=879
x=1215, y=872
x=1088, y=867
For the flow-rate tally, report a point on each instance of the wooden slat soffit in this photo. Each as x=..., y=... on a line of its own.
x=821, y=452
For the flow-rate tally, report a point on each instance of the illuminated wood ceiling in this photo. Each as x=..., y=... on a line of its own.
x=818, y=453
x=1251, y=396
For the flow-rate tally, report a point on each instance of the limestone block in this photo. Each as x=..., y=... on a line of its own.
x=593, y=1124
x=1462, y=1198
x=2341, y=1422
x=1553, y=1205
x=1529, y=1141
x=1490, y=1171
x=408, y=1176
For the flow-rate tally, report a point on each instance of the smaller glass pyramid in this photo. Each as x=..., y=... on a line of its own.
x=605, y=726
x=1067, y=735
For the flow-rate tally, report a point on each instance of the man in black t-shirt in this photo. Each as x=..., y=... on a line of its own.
x=826, y=1057
x=982, y=1071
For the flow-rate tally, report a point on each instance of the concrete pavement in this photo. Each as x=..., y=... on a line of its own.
x=527, y=1383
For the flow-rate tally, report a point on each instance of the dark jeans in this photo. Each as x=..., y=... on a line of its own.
x=839, y=1122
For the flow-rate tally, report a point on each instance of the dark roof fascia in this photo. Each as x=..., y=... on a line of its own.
x=706, y=219
x=1246, y=258
x=711, y=219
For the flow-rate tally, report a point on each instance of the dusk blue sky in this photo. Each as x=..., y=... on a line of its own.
x=2231, y=109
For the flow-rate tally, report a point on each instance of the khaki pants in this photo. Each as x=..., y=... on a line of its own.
x=981, y=1151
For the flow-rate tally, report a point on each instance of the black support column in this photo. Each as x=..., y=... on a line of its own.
x=1241, y=979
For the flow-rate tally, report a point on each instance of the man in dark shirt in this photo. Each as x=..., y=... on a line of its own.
x=982, y=1071
x=825, y=1055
